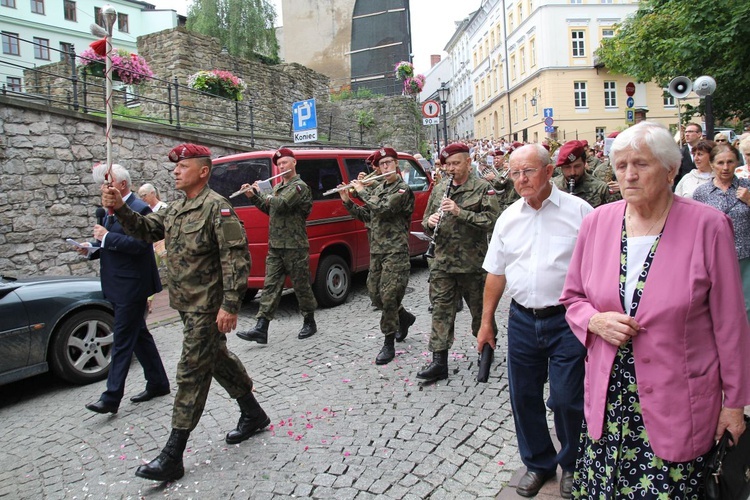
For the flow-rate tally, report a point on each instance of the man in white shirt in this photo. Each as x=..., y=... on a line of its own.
x=528, y=257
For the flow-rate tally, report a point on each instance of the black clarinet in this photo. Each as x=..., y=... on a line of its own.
x=430, y=253
x=571, y=184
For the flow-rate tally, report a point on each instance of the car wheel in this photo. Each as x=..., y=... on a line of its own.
x=81, y=345
x=332, y=281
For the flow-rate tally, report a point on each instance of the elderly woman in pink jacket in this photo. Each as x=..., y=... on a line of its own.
x=653, y=292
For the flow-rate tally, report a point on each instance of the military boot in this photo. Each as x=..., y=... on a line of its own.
x=252, y=419
x=437, y=370
x=388, y=351
x=308, y=327
x=258, y=334
x=405, y=320
x=168, y=465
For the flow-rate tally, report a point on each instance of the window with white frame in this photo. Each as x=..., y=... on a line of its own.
x=580, y=95
x=610, y=94
x=600, y=132
x=525, y=107
x=522, y=55
x=41, y=48
x=513, y=67
x=515, y=110
x=608, y=33
x=532, y=52
x=576, y=1
x=579, y=47
x=669, y=101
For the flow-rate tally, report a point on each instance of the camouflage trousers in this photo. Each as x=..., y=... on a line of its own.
x=280, y=262
x=445, y=288
x=386, y=284
x=204, y=355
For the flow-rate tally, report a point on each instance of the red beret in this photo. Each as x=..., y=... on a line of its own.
x=382, y=153
x=452, y=149
x=570, y=151
x=280, y=153
x=613, y=134
x=368, y=160
x=585, y=143
x=546, y=146
x=186, y=151
x=515, y=146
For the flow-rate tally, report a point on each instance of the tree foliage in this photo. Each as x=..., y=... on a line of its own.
x=245, y=27
x=669, y=38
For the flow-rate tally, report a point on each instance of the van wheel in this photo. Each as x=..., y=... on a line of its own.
x=332, y=281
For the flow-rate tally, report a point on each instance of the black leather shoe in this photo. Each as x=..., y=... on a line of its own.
x=309, y=328
x=148, y=395
x=162, y=468
x=258, y=334
x=388, y=351
x=405, y=320
x=566, y=484
x=102, y=407
x=252, y=420
x=532, y=482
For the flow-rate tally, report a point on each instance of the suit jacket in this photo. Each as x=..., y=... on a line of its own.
x=686, y=165
x=694, y=346
x=128, y=267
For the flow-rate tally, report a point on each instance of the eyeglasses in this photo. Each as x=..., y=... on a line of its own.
x=721, y=140
x=385, y=163
x=527, y=172
x=693, y=132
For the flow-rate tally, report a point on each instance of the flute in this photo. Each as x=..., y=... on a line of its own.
x=347, y=186
x=245, y=190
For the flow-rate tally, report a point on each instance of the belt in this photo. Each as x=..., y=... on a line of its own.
x=544, y=312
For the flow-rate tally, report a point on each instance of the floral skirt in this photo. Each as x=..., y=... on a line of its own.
x=622, y=464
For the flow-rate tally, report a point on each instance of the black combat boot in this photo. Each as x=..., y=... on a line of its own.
x=437, y=370
x=252, y=419
x=388, y=351
x=258, y=334
x=308, y=327
x=405, y=320
x=168, y=465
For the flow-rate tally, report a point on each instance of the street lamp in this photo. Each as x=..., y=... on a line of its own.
x=704, y=86
x=443, y=91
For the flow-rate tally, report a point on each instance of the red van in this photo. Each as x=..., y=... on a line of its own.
x=338, y=242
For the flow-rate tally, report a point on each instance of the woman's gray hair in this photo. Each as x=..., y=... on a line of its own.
x=119, y=174
x=651, y=136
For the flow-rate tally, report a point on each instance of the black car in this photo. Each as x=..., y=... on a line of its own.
x=62, y=324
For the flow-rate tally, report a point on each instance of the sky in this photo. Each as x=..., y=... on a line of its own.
x=432, y=23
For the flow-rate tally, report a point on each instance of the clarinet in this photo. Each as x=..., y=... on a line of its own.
x=571, y=185
x=430, y=253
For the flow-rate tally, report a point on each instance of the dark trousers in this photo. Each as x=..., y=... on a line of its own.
x=538, y=350
x=130, y=336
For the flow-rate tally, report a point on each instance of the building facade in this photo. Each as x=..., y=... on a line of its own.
x=534, y=72
x=357, y=43
x=460, y=103
x=39, y=32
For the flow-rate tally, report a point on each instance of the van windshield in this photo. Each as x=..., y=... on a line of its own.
x=228, y=177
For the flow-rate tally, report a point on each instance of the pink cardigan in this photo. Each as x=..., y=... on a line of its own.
x=695, y=348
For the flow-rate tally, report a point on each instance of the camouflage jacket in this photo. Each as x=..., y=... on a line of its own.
x=590, y=189
x=207, y=257
x=387, y=213
x=461, y=242
x=604, y=172
x=288, y=207
x=505, y=192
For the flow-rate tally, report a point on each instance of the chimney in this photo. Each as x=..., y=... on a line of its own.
x=434, y=59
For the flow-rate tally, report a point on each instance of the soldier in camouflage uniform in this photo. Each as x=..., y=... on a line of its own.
x=572, y=161
x=387, y=208
x=468, y=216
x=208, y=264
x=287, y=207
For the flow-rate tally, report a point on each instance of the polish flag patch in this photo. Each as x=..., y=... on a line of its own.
x=401, y=191
x=225, y=212
x=491, y=192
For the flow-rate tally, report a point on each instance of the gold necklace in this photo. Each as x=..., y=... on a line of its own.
x=630, y=221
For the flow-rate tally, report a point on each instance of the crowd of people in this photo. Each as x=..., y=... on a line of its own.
x=626, y=294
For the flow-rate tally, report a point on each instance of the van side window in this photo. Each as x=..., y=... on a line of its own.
x=413, y=175
x=354, y=166
x=321, y=175
x=229, y=177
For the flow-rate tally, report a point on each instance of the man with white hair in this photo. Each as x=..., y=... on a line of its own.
x=129, y=276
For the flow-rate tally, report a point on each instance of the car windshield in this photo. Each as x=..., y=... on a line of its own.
x=228, y=177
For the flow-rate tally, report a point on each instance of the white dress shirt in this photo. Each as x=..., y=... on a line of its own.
x=533, y=248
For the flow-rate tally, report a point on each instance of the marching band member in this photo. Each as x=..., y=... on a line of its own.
x=387, y=208
x=465, y=217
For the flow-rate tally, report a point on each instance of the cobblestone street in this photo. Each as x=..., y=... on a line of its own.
x=342, y=427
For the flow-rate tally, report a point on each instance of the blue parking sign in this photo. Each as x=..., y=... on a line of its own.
x=304, y=115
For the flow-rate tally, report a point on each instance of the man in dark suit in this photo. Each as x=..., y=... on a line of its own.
x=693, y=134
x=129, y=276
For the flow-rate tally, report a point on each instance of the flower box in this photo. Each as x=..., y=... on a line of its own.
x=219, y=83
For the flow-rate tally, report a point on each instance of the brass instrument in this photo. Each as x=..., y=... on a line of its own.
x=350, y=185
x=245, y=190
x=430, y=252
